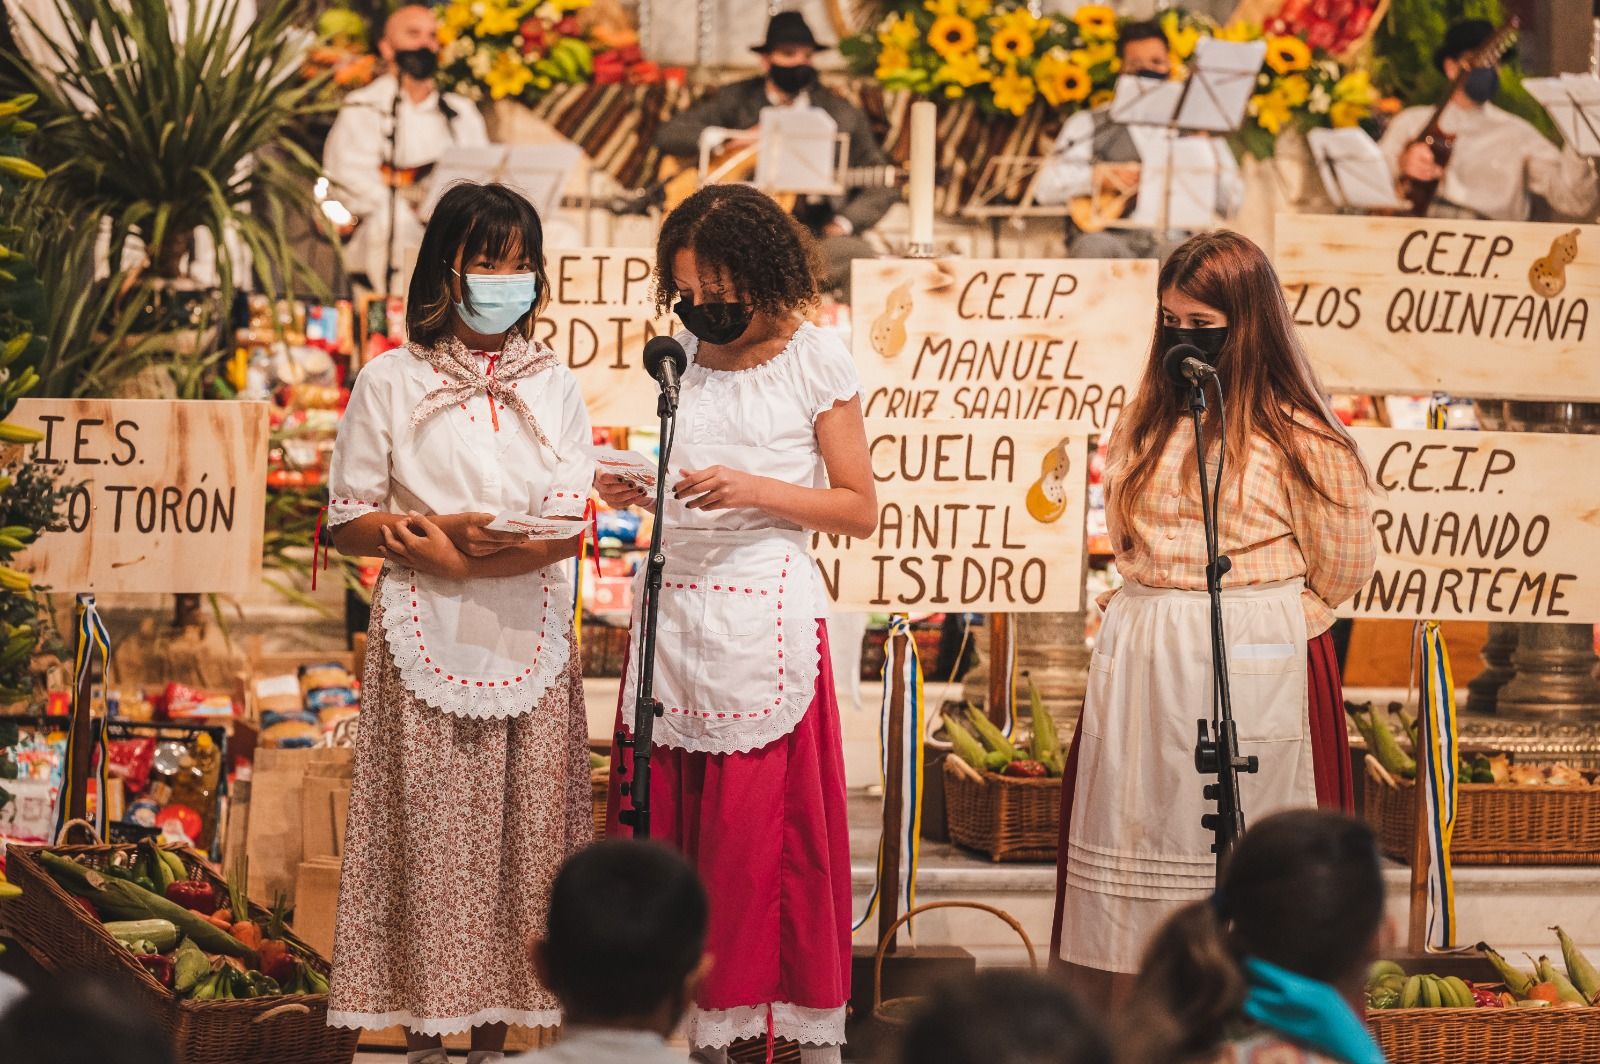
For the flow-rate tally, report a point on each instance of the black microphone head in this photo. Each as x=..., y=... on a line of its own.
x=1172, y=362
x=664, y=349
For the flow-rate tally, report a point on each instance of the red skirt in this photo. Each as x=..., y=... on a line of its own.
x=769, y=834
x=1330, y=756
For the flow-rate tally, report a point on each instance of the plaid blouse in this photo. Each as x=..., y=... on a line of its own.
x=1272, y=527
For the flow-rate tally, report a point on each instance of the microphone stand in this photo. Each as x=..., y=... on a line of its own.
x=394, y=187
x=646, y=707
x=1217, y=757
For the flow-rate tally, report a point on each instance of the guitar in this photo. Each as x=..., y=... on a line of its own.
x=1442, y=144
x=678, y=180
x=1111, y=199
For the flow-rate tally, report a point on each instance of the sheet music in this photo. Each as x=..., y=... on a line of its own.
x=1145, y=101
x=1573, y=101
x=538, y=171
x=1353, y=169
x=1221, y=81
x=1195, y=172
x=798, y=151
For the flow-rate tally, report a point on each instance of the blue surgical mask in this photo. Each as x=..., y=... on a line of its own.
x=1482, y=83
x=499, y=300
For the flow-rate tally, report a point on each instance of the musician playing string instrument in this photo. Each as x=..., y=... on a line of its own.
x=1124, y=166
x=1498, y=161
x=790, y=80
x=357, y=154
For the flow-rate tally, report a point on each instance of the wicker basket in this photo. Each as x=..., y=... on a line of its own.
x=58, y=933
x=1007, y=817
x=1487, y=1036
x=1496, y=823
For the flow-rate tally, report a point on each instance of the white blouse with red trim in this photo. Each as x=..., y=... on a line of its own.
x=481, y=647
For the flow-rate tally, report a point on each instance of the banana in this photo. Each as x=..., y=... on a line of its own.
x=1430, y=992
x=1460, y=993
x=9, y=890
x=22, y=532
x=1411, y=995
x=12, y=580
x=10, y=543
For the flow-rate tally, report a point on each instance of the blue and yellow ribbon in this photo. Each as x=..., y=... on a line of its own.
x=90, y=638
x=1440, y=758
x=911, y=770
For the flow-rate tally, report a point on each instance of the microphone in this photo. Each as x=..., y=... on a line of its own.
x=1186, y=364
x=665, y=360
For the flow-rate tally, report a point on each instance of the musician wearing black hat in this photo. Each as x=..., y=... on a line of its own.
x=1498, y=160
x=790, y=80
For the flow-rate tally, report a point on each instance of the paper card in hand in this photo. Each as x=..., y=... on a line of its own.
x=535, y=528
x=630, y=466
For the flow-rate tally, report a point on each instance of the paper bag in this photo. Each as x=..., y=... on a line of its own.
x=317, y=903
x=274, y=838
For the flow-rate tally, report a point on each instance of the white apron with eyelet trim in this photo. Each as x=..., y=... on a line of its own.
x=737, y=653
x=1136, y=851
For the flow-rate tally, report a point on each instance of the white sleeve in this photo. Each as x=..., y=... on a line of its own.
x=830, y=375
x=353, y=158
x=1398, y=135
x=468, y=125
x=1563, y=178
x=358, y=475
x=575, y=471
x=1067, y=171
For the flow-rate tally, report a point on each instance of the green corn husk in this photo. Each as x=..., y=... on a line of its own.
x=118, y=899
x=1517, y=981
x=1579, y=968
x=1045, y=744
x=966, y=747
x=1549, y=973
x=992, y=736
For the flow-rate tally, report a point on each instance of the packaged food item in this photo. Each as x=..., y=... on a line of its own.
x=324, y=674
x=131, y=760
x=323, y=698
x=195, y=784
x=278, y=694
x=290, y=730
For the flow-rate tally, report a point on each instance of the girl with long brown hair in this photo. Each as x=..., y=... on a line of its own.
x=1295, y=521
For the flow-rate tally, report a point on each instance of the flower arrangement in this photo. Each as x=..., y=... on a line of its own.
x=342, y=49
x=998, y=54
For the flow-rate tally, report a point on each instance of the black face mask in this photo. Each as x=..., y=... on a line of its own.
x=1153, y=75
x=714, y=323
x=1209, y=341
x=1481, y=83
x=792, y=80
x=418, y=63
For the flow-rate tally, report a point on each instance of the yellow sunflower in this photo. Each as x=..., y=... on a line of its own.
x=964, y=8
x=892, y=60
x=899, y=31
x=508, y=76
x=1095, y=53
x=1102, y=97
x=1285, y=55
x=1239, y=32
x=1271, y=110
x=961, y=72
x=498, y=18
x=952, y=35
x=1061, y=81
x=1009, y=45
x=1020, y=20
x=1013, y=92
x=1096, y=20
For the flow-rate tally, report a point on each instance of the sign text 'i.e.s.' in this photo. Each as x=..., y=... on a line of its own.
x=157, y=495
x=1488, y=526
x=973, y=515
x=1018, y=339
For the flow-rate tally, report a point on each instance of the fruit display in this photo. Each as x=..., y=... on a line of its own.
x=985, y=747
x=1396, y=752
x=1544, y=985
x=200, y=944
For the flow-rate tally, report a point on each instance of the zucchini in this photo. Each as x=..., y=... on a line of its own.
x=163, y=934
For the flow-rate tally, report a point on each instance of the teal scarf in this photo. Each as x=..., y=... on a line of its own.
x=1309, y=1011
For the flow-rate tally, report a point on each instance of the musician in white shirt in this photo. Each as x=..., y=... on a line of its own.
x=427, y=123
x=1498, y=160
x=1092, y=153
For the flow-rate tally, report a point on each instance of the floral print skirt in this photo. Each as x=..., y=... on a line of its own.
x=456, y=830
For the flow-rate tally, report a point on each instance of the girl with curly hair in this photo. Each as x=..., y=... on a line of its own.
x=748, y=766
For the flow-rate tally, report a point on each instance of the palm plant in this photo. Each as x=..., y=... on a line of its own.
x=157, y=128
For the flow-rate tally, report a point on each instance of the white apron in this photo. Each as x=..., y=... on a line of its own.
x=1136, y=850
x=737, y=652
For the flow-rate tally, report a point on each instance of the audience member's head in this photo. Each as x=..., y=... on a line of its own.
x=626, y=946
x=1302, y=890
x=1142, y=47
x=1003, y=1017
x=81, y=1020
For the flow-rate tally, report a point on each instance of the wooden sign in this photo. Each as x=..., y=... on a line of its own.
x=974, y=515
x=160, y=496
x=1501, y=310
x=600, y=314
x=1021, y=339
x=1492, y=526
